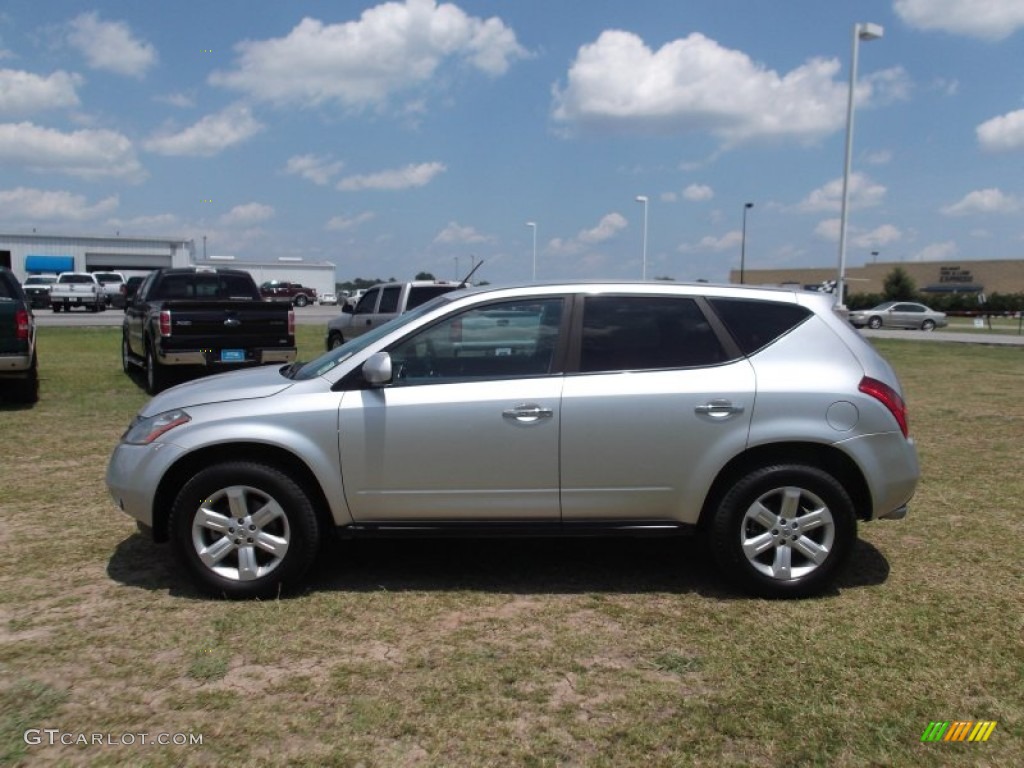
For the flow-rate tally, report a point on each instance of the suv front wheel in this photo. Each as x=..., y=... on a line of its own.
x=244, y=529
x=783, y=531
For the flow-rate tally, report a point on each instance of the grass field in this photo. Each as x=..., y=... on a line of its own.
x=570, y=653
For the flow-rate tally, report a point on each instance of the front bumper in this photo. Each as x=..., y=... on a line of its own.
x=133, y=474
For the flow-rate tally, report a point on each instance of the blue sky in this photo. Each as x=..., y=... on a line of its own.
x=398, y=137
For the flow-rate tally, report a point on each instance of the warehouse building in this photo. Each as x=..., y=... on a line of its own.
x=930, y=277
x=35, y=254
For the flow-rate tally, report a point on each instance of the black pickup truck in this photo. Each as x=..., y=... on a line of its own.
x=19, y=377
x=206, y=320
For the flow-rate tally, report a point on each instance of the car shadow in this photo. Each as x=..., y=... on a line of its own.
x=523, y=566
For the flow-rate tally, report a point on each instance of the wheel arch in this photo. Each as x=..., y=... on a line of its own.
x=259, y=453
x=824, y=457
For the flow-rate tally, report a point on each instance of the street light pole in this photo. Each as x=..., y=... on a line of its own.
x=533, y=225
x=860, y=32
x=643, y=199
x=743, y=241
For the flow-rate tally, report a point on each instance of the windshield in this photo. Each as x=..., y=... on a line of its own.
x=335, y=357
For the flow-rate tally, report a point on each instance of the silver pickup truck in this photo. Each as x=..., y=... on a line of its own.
x=77, y=289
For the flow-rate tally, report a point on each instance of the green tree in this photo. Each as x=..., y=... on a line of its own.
x=899, y=286
x=424, y=276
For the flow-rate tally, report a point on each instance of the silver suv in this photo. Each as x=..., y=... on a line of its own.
x=381, y=304
x=753, y=417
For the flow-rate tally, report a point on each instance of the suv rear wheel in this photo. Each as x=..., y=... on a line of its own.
x=783, y=531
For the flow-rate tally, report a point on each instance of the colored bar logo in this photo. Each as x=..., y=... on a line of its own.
x=959, y=730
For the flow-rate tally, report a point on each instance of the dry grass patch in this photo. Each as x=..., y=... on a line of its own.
x=574, y=653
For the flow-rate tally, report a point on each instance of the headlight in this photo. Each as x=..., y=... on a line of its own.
x=145, y=431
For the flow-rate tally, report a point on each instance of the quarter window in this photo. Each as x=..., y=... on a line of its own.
x=496, y=341
x=624, y=333
x=756, y=324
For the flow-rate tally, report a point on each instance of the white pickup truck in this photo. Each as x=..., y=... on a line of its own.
x=77, y=289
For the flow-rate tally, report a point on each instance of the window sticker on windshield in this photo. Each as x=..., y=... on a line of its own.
x=502, y=351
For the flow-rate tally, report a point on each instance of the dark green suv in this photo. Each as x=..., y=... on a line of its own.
x=19, y=378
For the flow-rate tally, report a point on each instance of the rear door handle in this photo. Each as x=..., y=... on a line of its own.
x=719, y=409
x=527, y=413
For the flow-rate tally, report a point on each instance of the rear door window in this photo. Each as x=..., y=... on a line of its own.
x=389, y=299
x=628, y=333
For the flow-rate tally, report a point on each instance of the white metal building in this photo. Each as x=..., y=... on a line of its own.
x=27, y=254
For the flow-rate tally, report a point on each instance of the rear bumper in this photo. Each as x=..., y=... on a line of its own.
x=15, y=364
x=209, y=357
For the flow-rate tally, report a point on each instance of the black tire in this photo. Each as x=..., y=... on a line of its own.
x=282, y=532
x=334, y=341
x=875, y=322
x=26, y=390
x=156, y=376
x=301, y=301
x=125, y=359
x=56, y=307
x=928, y=325
x=782, y=513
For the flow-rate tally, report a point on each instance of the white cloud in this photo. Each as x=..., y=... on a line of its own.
x=609, y=226
x=247, y=215
x=160, y=222
x=111, y=46
x=696, y=85
x=180, y=100
x=319, y=170
x=727, y=242
x=210, y=136
x=88, y=154
x=393, y=47
x=828, y=230
x=45, y=205
x=24, y=92
x=985, y=19
x=454, y=233
x=936, y=252
x=344, y=223
x=397, y=178
x=881, y=157
x=1002, y=133
x=876, y=238
x=984, y=201
x=698, y=193
x=861, y=193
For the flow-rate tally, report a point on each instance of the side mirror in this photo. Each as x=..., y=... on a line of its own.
x=377, y=369
x=347, y=308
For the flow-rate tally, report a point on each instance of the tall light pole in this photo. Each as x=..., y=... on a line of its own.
x=743, y=241
x=643, y=199
x=860, y=32
x=533, y=225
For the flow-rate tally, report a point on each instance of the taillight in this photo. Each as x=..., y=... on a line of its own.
x=888, y=397
x=165, y=322
x=291, y=322
x=23, y=323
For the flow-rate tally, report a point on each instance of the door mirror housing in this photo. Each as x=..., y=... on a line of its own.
x=377, y=369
